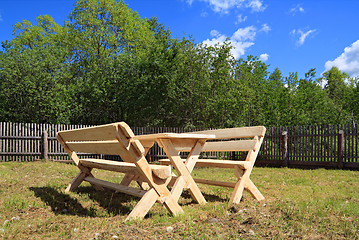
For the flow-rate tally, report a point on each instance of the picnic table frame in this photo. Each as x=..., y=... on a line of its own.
x=118, y=139
x=245, y=139
x=172, y=143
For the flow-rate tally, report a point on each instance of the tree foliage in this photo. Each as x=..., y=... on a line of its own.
x=107, y=64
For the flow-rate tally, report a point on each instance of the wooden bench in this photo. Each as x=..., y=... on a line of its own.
x=117, y=139
x=247, y=139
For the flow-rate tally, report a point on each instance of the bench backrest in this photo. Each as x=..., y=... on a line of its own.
x=234, y=139
x=112, y=139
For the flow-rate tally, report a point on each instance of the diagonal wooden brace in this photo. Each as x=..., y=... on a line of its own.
x=184, y=174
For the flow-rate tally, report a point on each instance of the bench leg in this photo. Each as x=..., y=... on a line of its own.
x=253, y=190
x=147, y=201
x=177, y=188
x=237, y=193
x=144, y=205
x=96, y=187
x=172, y=206
x=127, y=179
x=244, y=183
x=243, y=177
x=76, y=182
x=79, y=179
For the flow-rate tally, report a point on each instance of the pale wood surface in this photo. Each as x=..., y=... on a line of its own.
x=144, y=205
x=243, y=181
x=160, y=172
x=241, y=132
x=76, y=182
x=98, y=133
x=247, y=139
x=97, y=147
x=184, y=171
x=215, y=183
x=172, y=136
x=125, y=167
x=227, y=146
x=213, y=163
x=230, y=146
x=118, y=139
x=117, y=187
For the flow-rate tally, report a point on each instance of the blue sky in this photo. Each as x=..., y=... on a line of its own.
x=291, y=35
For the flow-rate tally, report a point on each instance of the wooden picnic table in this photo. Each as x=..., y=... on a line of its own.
x=118, y=139
x=173, y=144
x=229, y=140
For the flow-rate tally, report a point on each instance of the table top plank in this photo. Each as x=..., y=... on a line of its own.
x=173, y=135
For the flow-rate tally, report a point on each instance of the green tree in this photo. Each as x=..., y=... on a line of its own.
x=107, y=41
x=46, y=32
x=251, y=76
x=32, y=74
x=275, y=102
x=31, y=86
x=338, y=86
x=312, y=104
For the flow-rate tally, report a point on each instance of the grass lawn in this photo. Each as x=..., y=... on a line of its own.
x=300, y=204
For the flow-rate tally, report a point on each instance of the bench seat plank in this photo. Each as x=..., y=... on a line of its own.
x=214, y=163
x=117, y=187
x=162, y=172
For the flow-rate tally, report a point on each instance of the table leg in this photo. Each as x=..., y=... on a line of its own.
x=184, y=173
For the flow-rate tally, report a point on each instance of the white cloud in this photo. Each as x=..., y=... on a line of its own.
x=216, y=40
x=265, y=28
x=302, y=35
x=241, y=19
x=264, y=57
x=241, y=40
x=239, y=48
x=214, y=33
x=348, y=61
x=223, y=6
x=243, y=34
x=256, y=5
x=296, y=9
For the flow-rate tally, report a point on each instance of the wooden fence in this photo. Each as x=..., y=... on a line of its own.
x=330, y=146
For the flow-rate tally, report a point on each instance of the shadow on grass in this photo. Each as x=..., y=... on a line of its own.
x=208, y=197
x=113, y=203
x=60, y=203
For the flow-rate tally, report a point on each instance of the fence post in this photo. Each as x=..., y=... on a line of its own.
x=285, y=148
x=44, y=146
x=340, y=149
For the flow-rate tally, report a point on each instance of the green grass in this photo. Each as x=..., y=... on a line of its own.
x=304, y=204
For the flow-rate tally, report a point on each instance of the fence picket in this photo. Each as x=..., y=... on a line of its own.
x=310, y=145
